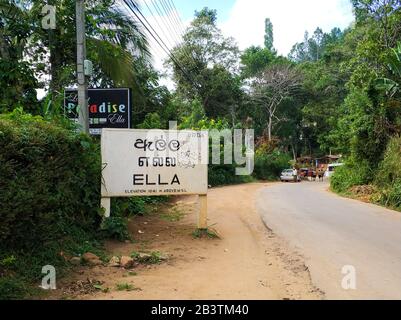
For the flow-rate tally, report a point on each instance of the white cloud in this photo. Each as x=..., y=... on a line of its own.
x=290, y=18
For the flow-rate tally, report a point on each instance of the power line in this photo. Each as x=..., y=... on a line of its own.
x=175, y=13
x=170, y=7
x=164, y=19
x=134, y=9
x=185, y=50
x=161, y=28
x=169, y=12
x=170, y=18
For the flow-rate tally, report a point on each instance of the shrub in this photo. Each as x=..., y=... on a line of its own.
x=353, y=173
x=49, y=195
x=268, y=166
x=388, y=177
x=115, y=227
x=390, y=196
x=49, y=180
x=12, y=288
x=126, y=207
x=220, y=175
x=390, y=168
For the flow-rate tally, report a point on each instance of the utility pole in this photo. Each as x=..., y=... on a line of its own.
x=83, y=115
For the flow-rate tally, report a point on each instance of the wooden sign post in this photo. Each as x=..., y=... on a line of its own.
x=105, y=203
x=202, y=216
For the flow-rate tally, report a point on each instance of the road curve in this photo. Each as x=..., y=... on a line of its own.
x=332, y=232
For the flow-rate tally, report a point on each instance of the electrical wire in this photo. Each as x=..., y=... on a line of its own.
x=152, y=32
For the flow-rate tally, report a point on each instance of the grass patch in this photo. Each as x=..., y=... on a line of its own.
x=155, y=257
x=129, y=274
x=21, y=269
x=14, y=288
x=205, y=233
x=126, y=287
x=101, y=288
x=173, y=216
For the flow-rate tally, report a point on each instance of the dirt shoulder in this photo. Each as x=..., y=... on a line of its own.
x=247, y=262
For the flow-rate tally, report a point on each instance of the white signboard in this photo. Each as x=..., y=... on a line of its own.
x=153, y=162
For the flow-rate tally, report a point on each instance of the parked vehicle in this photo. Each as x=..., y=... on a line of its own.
x=331, y=168
x=303, y=172
x=312, y=175
x=286, y=175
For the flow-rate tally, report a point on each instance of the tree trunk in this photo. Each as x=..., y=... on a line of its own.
x=3, y=48
x=269, y=129
x=294, y=154
x=55, y=66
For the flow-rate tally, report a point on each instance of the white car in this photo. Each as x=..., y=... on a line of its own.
x=331, y=168
x=286, y=175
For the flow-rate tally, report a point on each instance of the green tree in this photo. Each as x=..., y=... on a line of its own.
x=369, y=116
x=314, y=47
x=384, y=12
x=207, y=66
x=271, y=88
x=114, y=42
x=254, y=60
x=269, y=39
x=17, y=80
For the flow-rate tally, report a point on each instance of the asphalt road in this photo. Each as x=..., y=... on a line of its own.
x=332, y=232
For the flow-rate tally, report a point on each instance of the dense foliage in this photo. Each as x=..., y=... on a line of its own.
x=49, y=184
x=49, y=178
x=368, y=116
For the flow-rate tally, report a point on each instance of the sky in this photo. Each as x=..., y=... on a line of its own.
x=244, y=20
x=290, y=18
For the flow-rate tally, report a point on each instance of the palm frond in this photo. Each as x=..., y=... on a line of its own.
x=11, y=10
x=116, y=27
x=395, y=60
x=113, y=60
x=389, y=86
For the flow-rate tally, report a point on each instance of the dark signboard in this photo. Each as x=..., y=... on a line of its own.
x=108, y=108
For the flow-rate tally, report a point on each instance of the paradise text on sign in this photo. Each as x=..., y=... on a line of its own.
x=154, y=162
x=108, y=108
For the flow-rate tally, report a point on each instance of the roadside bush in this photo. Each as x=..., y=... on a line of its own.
x=12, y=288
x=389, y=171
x=49, y=180
x=268, y=166
x=49, y=196
x=220, y=175
x=390, y=196
x=115, y=227
x=353, y=173
x=223, y=174
x=388, y=177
